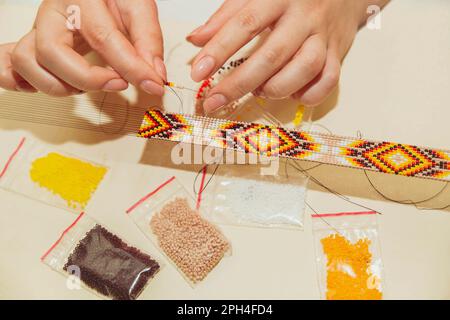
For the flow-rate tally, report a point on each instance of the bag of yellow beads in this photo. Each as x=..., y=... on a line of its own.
x=52, y=177
x=348, y=256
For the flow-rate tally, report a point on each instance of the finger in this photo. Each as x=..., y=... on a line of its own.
x=321, y=88
x=262, y=65
x=237, y=32
x=54, y=52
x=9, y=79
x=204, y=33
x=301, y=70
x=24, y=63
x=101, y=33
x=142, y=23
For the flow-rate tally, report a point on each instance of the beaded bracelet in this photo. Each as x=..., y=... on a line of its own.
x=272, y=141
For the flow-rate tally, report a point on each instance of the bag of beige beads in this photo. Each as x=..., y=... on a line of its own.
x=168, y=217
x=55, y=178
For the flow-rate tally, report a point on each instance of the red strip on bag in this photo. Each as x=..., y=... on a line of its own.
x=62, y=236
x=11, y=158
x=202, y=184
x=137, y=204
x=325, y=215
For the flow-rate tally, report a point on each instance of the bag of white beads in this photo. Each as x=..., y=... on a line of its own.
x=167, y=216
x=241, y=195
x=55, y=178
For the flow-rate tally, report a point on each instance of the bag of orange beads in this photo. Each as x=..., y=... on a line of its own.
x=348, y=256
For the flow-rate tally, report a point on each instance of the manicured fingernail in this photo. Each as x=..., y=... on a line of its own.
x=115, y=85
x=152, y=88
x=203, y=68
x=214, y=102
x=24, y=86
x=259, y=93
x=194, y=33
x=160, y=68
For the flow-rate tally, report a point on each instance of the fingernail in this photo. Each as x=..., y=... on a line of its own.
x=160, y=68
x=203, y=68
x=259, y=93
x=25, y=87
x=152, y=88
x=115, y=85
x=194, y=33
x=215, y=102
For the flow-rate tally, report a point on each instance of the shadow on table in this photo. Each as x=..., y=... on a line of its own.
x=103, y=116
x=427, y=194
x=109, y=117
x=345, y=181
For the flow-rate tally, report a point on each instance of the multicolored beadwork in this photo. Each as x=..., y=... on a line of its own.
x=272, y=141
x=211, y=82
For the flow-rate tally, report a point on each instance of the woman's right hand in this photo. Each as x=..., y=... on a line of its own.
x=50, y=58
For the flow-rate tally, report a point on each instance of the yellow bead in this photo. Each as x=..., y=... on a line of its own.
x=72, y=179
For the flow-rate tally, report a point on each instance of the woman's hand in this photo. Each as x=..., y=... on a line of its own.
x=301, y=56
x=9, y=79
x=126, y=34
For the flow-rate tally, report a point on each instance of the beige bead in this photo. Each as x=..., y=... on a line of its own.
x=190, y=241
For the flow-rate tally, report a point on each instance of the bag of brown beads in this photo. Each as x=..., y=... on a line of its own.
x=91, y=256
x=168, y=217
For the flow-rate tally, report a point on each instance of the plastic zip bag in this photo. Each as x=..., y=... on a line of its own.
x=167, y=216
x=54, y=178
x=103, y=263
x=348, y=256
x=251, y=199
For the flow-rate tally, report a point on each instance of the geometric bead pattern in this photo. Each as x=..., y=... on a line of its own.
x=272, y=141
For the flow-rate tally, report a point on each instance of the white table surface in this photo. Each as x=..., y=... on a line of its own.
x=394, y=86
